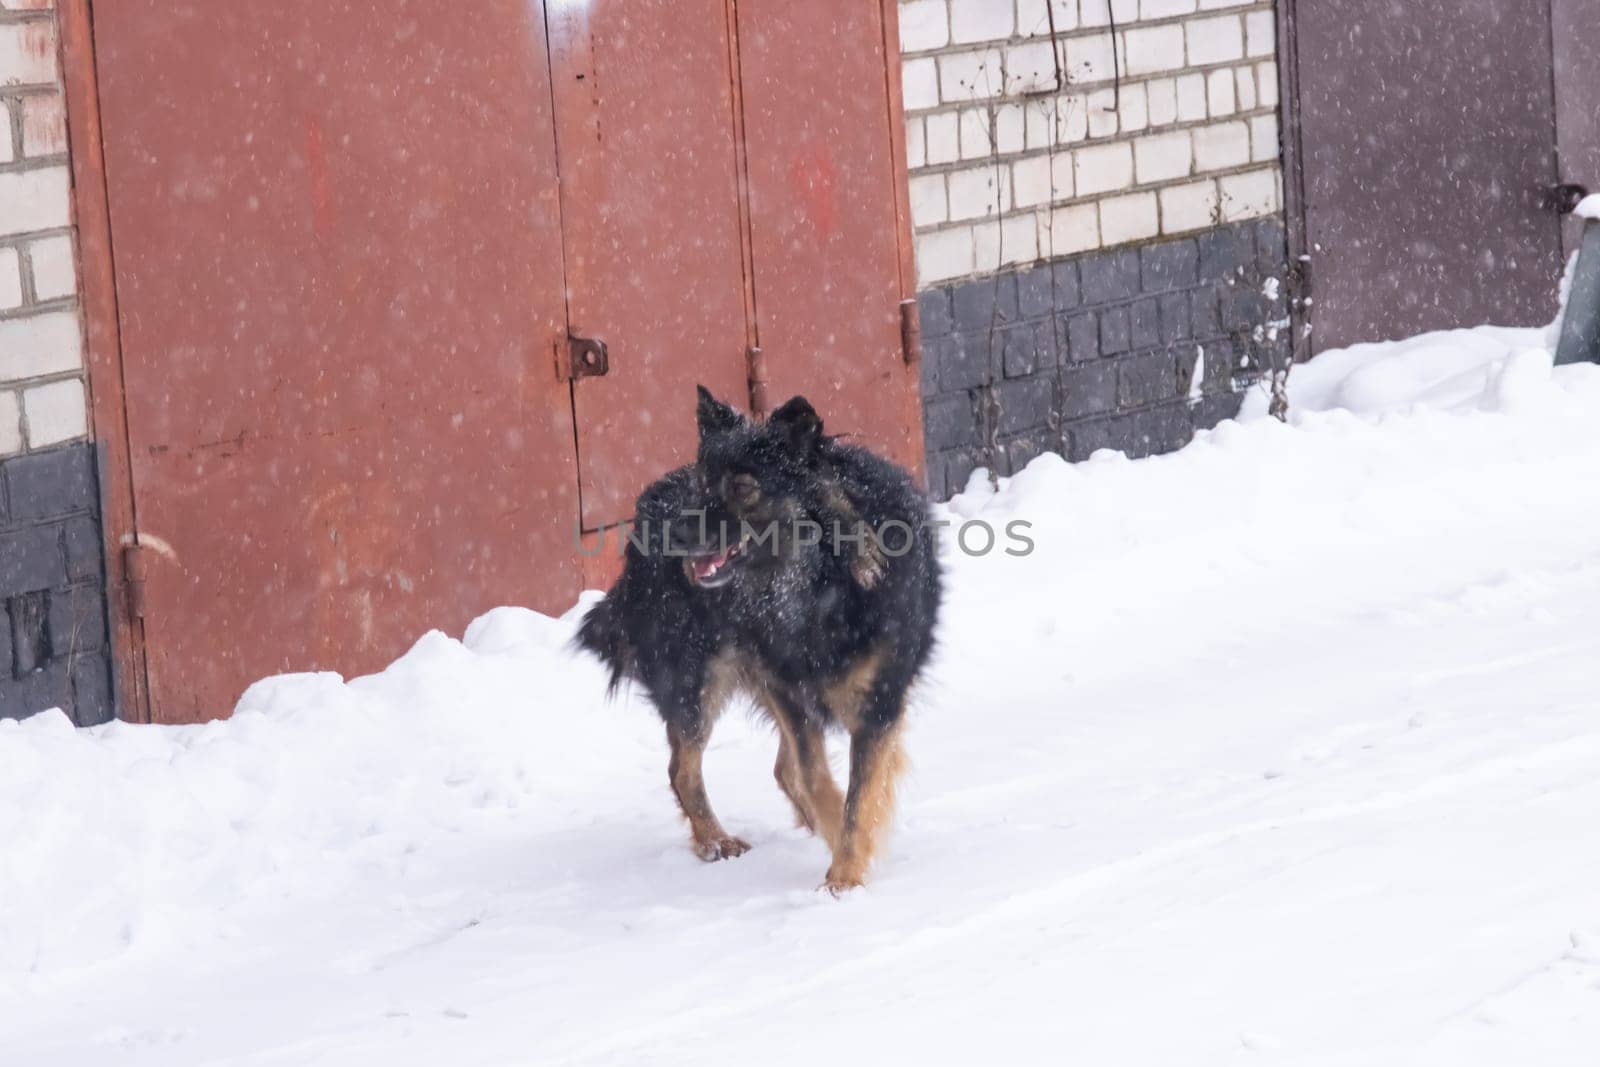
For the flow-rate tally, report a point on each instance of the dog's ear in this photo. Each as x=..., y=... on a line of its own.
x=712, y=414
x=799, y=424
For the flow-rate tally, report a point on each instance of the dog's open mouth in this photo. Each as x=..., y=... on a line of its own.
x=710, y=570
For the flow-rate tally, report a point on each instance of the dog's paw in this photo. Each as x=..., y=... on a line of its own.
x=722, y=848
x=838, y=882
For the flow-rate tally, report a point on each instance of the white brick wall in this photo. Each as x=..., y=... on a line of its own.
x=1214, y=40
x=42, y=390
x=55, y=412
x=1103, y=168
x=924, y=24
x=1129, y=218
x=10, y=279
x=1166, y=127
x=980, y=20
x=1163, y=157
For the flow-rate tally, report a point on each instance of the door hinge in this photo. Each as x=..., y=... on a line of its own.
x=133, y=576
x=756, y=373
x=910, y=332
x=1563, y=199
x=581, y=357
x=1298, y=279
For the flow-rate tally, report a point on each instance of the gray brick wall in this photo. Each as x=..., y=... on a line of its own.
x=1099, y=350
x=53, y=640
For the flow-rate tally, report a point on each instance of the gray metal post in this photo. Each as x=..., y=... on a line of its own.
x=1580, y=326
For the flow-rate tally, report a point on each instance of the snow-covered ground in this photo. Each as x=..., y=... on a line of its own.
x=1281, y=749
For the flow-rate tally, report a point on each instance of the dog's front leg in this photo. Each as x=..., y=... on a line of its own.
x=711, y=841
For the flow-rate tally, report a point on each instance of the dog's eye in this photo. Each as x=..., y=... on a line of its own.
x=745, y=489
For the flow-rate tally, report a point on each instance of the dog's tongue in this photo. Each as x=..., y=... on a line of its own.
x=706, y=566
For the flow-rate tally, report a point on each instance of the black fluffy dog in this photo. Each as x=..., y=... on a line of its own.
x=802, y=572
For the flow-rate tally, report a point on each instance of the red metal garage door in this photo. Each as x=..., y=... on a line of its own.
x=1428, y=138
x=826, y=177
x=650, y=209
x=350, y=252
x=337, y=254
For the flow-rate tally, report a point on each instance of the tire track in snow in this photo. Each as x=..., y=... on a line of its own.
x=1584, y=750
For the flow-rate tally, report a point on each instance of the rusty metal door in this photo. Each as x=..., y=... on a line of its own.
x=830, y=258
x=645, y=130
x=1427, y=132
x=1575, y=35
x=338, y=266
x=353, y=253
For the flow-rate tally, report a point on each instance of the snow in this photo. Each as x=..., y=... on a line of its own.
x=1197, y=377
x=1487, y=368
x=1279, y=749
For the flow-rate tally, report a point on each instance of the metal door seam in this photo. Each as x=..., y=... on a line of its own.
x=561, y=255
x=103, y=345
x=741, y=168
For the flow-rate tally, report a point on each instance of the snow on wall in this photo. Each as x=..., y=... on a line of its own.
x=42, y=393
x=1020, y=151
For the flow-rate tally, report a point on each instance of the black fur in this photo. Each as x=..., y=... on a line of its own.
x=652, y=624
x=841, y=582
x=800, y=608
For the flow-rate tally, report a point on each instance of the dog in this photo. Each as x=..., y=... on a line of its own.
x=796, y=569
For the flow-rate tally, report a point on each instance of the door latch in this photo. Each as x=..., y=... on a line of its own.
x=583, y=357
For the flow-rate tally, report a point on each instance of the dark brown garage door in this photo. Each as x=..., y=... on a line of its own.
x=1575, y=35
x=1428, y=132
x=351, y=246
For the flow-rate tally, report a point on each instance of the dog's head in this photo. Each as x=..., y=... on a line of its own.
x=756, y=481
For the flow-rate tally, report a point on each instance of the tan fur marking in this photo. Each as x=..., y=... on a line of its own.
x=876, y=763
x=711, y=841
x=827, y=803
x=868, y=564
x=802, y=768
x=725, y=675
x=787, y=772
x=844, y=697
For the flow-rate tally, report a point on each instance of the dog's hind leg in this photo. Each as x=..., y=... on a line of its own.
x=802, y=768
x=787, y=772
x=711, y=841
x=876, y=763
x=826, y=801
x=870, y=701
x=804, y=777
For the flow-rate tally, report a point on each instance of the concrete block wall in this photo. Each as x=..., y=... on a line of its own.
x=1050, y=132
x=53, y=634
x=1131, y=348
x=52, y=601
